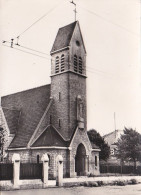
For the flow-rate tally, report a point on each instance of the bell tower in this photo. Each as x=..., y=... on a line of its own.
x=68, y=80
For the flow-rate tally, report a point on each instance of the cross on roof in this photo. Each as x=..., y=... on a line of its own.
x=75, y=12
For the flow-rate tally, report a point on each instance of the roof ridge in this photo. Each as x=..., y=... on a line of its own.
x=47, y=128
x=39, y=135
x=63, y=37
x=68, y=24
x=108, y=133
x=41, y=120
x=59, y=133
x=73, y=31
x=25, y=90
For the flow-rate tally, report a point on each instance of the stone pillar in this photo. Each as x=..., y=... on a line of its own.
x=86, y=165
x=72, y=165
x=45, y=161
x=98, y=167
x=59, y=170
x=16, y=170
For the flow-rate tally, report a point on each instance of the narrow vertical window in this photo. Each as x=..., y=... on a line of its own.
x=49, y=163
x=38, y=158
x=75, y=63
x=62, y=62
x=59, y=122
x=50, y=119
x=57, y=64
x=80, y=65
x=95, y=160
x=59, y=96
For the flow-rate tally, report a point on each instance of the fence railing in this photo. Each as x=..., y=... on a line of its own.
x=31, y=171
x=35, y=170
x=17, y=171
x=6, y=171
x=120, y=169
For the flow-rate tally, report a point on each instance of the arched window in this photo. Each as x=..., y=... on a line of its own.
x=80, y=65
x=75, y=63
x=62, y=62
x=57, y=64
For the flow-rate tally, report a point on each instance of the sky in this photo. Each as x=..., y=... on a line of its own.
x=111, y=32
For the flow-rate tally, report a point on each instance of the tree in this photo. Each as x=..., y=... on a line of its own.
x=129, y=146
x=96, y=139
x=1, y=142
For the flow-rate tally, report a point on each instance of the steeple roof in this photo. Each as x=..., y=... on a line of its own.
x=63, y=37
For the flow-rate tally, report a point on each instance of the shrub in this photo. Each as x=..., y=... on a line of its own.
x=129, y=182
x=121, y=183
x=134, y=181
x=100, y=183
x=114, y=183
x=92, y=184
x=85, y=183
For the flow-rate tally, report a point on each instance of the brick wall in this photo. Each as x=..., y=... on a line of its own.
x=69, y=85
x=59, y=84
x=30, y=156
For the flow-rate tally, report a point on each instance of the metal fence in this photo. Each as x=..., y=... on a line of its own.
x=30, y=171
x=6, y=171
x=34, y=170
x=120, y=169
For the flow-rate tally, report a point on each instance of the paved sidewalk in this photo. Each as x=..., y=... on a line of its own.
x=104, y=190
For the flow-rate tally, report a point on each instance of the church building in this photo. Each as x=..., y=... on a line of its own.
x=52, y=119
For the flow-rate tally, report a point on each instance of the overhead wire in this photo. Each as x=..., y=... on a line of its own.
x=89, y=69
x=34, y=50
x=27, y=48
x=94, y=13
x=109, y=21
x=39, y=19
x=26, y=52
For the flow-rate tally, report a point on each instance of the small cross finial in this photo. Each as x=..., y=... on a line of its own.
x=75, y=12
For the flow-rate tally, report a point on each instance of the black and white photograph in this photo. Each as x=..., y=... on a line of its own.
x=70, y=97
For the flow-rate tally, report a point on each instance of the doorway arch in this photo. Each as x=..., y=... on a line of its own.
x=81, y=162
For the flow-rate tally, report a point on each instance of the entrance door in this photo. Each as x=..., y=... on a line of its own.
x=80, y=160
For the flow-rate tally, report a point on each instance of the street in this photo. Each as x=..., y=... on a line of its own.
x=105, y=190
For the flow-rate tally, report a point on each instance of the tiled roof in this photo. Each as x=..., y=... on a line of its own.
x=32, y=105
x=63, y=37
x=12, y=118
x=50, y=137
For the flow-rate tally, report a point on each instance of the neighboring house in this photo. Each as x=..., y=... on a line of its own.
x=52, y=119
x=111, y=139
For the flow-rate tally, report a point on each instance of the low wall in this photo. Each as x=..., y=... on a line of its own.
x=38, y=184
x=26, y=184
